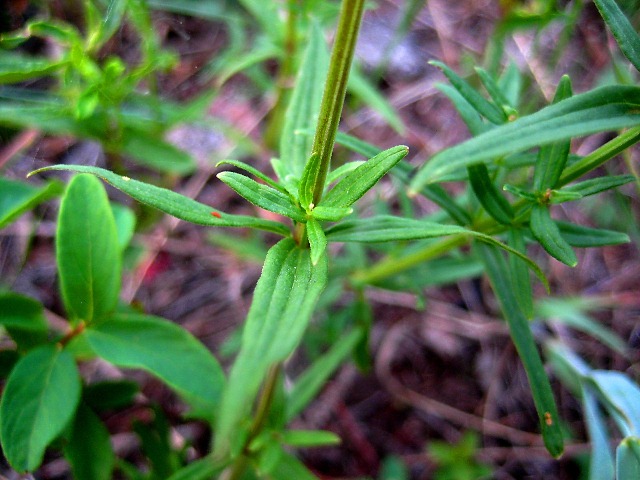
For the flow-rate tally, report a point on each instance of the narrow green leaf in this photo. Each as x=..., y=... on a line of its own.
x=151, y=151
x=493, y=89
x=24, y=319
x=602, y=109
x=469, y=115
x=111, y=19
x=173, y=203
x=386, y=228
x=360, y=86
x=628, y=459
x=561, y=196
x=18, y=68
x=89, y=448
x=282, y=305
x=478, y=102
x=317, y=240
x=204, y=469
x=309, y=178
x=330, y=214
x=310, y=382
x=163, y=349
x=302, y=113
x=488, y=195
x=195, y=8
x=511, y=84
x=552, y=157
x=357, y=145
x=624, y=33
x=496, y=268
x=253, y=171
x=261, y=51
x=262, y=196
x=39, y=400
x=585, y=237
x=520, y=192
x=358, y=182
x=545, y=230
x=87, y=251
x=600, y=184
x=343, y=170
x=519, y=272
x=19, y=197
x=309, y=438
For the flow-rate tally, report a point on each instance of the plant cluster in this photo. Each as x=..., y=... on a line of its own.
x=46, y=403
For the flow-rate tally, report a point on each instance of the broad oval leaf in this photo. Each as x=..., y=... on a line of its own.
x=602, y=109
x=38, y=402
x=173, y=203
x=87, y=251
x=163, y=349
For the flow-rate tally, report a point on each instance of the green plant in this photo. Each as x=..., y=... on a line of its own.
x=250, y=409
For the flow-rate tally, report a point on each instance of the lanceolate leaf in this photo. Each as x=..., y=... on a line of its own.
x=173, y=203
x=163, y=349
x=622, y=30
x=302, y=113
x=584, y=237
x=308, y=180
x=488, y=195
x=262, y=196
x=553, y=157
x=317, y=240
x=358, y=182
x=282, y=305
x=602, y=109
x=483, y=106
x=253, y=171
x=497, y=268
x=17, y=68
x=385, y=228
x=87, y=251
x=597, y=185
x=39, y=400
x=545, y=230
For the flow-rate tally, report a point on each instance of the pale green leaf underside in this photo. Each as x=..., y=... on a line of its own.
x=603, y=109
x=173, y=203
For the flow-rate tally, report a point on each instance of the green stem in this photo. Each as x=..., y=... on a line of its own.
x=335, y=89
x=262, y=410
x=392, y=265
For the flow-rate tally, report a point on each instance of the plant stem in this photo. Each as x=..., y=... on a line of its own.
x=393, y=265
x=262, y=410
x=335, y=88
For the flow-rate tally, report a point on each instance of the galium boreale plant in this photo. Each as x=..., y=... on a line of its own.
x=251, y=415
